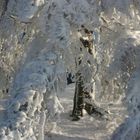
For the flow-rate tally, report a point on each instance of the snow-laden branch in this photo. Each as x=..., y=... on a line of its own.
x=58, y=21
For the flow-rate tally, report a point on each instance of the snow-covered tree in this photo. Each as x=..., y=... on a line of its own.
x=39, y=42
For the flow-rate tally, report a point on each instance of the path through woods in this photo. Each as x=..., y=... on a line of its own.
x=88, y=128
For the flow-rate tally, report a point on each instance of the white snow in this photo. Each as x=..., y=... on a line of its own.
x=88, y=128
x=29, y=26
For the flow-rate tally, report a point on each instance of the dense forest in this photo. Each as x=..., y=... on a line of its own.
x=69, y=69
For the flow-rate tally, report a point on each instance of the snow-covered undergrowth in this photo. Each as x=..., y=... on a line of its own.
x=39, y=42
x=34, y=93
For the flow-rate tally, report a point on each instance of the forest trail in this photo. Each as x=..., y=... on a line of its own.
x=88, y=128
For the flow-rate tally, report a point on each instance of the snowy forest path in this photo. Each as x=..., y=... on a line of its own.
x=87, y=128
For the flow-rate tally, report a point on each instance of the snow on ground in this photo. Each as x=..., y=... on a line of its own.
x=88, y=128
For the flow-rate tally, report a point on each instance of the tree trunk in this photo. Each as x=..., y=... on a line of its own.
x=83, y=98
x=78, y=96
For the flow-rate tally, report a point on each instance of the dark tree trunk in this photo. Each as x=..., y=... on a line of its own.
x=82, y=98
x=78, y=96
x=79, y=99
